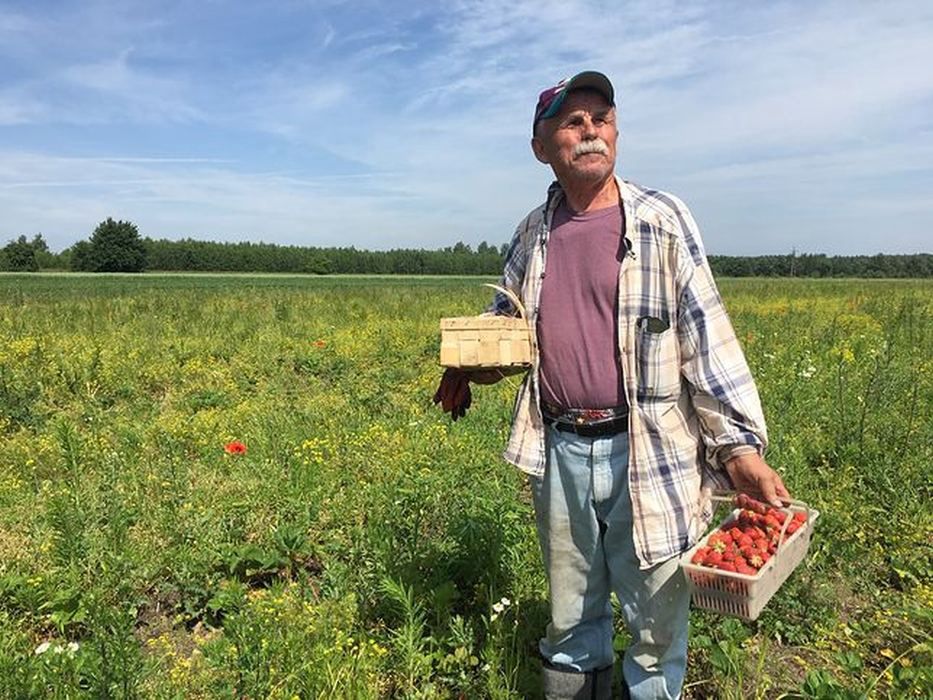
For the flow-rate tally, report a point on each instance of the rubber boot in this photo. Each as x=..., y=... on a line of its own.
x=564, y=684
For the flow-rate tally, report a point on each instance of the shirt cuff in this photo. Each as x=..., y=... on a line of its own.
x=729, y=451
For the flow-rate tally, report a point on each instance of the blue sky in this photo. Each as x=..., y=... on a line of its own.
x=783, y=125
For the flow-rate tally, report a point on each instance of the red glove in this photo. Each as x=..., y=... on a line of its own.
x=453, y=393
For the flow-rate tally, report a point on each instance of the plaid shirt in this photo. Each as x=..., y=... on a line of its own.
x=691, y=395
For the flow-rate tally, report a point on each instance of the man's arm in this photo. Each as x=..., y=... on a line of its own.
x=723, y=391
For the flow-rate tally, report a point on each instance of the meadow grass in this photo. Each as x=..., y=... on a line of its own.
x=364, y=546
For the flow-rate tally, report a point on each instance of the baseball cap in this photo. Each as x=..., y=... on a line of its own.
x=550, y=100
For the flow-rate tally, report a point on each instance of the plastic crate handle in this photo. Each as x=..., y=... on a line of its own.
x=729, y=497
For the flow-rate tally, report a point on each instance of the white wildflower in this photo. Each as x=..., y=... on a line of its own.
x=42, y=648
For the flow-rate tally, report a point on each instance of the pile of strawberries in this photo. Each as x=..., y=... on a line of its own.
x=745, y=543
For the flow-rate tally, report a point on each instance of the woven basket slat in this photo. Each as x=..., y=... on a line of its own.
x=485, y=341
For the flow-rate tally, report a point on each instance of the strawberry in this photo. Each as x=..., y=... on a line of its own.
x=746, y=570
x=726, y=566
x=801, y=516
x=755, y=561
x=714, y=558
x=716, y=542
x=699, y=557
x=793, y=527
x=757, y=506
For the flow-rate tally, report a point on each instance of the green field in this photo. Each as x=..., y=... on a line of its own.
x=359, y=546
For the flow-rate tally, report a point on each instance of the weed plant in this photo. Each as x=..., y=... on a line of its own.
x=362, y=546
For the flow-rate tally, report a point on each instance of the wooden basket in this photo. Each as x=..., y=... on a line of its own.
x=479, y=342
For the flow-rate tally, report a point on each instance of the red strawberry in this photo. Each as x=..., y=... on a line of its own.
x=793, y=527
x=757, y=506
x=726, y=566
x=699, y=557
x=746, y=570
x=800, y=515
x=714, y=558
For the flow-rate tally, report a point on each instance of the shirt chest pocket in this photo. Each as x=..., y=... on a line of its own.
x=657, y=359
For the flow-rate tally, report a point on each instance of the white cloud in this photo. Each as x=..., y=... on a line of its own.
x=350, y=123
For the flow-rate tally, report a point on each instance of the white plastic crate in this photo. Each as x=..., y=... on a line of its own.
x=745, y=596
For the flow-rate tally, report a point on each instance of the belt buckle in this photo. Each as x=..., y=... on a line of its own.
x=593, y=415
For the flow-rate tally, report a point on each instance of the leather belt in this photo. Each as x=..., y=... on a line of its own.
x=586, y=422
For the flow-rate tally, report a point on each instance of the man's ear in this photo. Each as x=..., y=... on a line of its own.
x=538, y=149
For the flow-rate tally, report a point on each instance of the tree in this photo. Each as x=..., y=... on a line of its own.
x=20, y=256
x=79, y=257
x=115, y=246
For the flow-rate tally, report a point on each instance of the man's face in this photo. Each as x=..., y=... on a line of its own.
x=579, y=142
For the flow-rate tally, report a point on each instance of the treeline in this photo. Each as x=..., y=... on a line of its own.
x=115, y=246
x=819, y=265
x=460, y=259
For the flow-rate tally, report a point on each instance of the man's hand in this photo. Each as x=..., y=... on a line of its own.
x=750, y=474
x=453, y=393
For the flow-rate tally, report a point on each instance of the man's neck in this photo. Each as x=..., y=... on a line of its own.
x=585, y=197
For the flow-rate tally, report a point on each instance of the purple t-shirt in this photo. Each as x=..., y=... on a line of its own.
x=578, y=317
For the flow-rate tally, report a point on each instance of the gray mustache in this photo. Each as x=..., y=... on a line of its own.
x=592, y=146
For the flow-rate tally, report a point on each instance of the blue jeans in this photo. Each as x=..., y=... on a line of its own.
x=584, y=518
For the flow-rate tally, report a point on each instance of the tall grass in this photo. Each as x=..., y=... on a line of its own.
x=363, y=545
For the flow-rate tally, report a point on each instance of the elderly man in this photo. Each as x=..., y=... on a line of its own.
x=638, y=396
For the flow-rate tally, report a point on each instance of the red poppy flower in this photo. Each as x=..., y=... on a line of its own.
x=235, y=448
